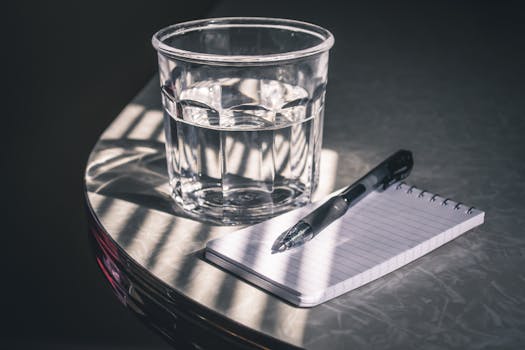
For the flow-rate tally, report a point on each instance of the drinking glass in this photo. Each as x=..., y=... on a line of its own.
x=243, y=102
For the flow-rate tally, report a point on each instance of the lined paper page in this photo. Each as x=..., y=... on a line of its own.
x=381, y=233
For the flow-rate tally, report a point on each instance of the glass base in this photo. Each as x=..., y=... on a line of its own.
x=241, y=206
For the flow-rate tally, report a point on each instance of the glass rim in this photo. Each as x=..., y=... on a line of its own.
x=224, y=22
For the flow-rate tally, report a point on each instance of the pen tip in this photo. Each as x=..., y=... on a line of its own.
x=278, y=248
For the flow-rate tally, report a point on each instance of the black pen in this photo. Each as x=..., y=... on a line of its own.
x=393, y=169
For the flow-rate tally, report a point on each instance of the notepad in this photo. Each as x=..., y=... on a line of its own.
x=381, y=233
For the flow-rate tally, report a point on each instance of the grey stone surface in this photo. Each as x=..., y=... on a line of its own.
x=467, y=294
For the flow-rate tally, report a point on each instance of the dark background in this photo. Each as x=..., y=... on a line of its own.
x=72, y=66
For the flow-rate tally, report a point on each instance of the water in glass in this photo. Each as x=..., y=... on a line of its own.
x=236, y=147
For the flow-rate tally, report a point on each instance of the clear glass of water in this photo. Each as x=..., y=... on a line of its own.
x=243, y=103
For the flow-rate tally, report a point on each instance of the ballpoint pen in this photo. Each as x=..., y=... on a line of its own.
x=393, y=169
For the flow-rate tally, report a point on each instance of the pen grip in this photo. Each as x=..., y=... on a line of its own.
x=327, y=213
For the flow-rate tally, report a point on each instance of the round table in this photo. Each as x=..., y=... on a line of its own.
x=468, y=293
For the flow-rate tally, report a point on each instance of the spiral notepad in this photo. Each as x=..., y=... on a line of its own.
x=381, y=233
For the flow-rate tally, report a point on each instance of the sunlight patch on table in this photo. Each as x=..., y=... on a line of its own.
x=122, y=123
x=148, y=126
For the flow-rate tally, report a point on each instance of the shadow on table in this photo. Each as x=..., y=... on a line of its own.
x=133, y=171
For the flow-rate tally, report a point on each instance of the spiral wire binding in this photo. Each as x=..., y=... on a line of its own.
x=433, y=198
x=399, y=185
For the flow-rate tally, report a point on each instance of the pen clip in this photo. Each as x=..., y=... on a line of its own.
x=399, y=166
x=389, y=180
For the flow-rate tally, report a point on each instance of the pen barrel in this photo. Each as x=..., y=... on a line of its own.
x=327, y=213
